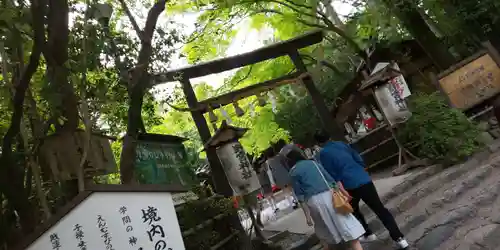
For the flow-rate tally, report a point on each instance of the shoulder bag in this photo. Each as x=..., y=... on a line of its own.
x=340, y=201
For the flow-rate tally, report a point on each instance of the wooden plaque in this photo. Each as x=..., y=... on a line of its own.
x=472, y=83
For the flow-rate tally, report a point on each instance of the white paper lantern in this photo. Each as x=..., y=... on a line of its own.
x=238, y=168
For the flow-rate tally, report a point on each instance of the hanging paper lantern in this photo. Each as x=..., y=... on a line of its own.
x=239, y=112
x=211, y=115
x=262, y=100
x=225, y=115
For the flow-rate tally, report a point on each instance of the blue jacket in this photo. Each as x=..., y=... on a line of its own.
x=307, y=180
x=344, y=164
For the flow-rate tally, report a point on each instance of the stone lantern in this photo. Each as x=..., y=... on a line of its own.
x=233, y=157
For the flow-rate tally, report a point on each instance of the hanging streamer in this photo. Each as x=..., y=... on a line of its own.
x=239, y=112
x=273, y=102
x=319, y=55
x=292, y=93
x=252, y=109
x=211, y=115
x=225, y=115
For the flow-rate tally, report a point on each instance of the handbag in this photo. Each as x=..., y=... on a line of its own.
x=340, y=201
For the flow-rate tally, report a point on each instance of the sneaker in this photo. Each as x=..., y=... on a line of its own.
x=402, y=243
x=369, y=238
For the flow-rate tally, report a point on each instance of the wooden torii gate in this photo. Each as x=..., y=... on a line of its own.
x=198, y=108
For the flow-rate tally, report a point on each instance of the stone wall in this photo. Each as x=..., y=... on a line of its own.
x=488, y=124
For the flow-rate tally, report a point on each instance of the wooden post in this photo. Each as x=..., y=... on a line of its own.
x=258, y=232
x=402, y=156
x=492, y=51
x=435, y=80
x=496, y=57
x=221, y=184
x=328, y=122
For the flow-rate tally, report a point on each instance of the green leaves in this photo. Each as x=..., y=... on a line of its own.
x=443, y=134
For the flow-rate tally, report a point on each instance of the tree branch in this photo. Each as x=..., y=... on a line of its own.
x=22, y=86
x=125, y=8
x=57, y=66
x=137, y=85
x=298, y=5
x=328, y=24
x=201, y=32
x=239, y=80
x=314, y=25
x=294, y=8
x=323, y=62
x=10, y=173
x=331, y=26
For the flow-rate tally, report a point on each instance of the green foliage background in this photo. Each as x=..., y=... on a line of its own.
x=442, y=133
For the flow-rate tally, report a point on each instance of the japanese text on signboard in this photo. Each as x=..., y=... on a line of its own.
x=116, y=221
x=473, y=83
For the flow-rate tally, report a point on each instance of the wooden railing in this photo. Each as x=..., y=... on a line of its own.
x=202, y=233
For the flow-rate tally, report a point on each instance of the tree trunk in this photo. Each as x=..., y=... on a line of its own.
x=57, y=57
x=408, y=13
x=11, y=175
x=136, y=88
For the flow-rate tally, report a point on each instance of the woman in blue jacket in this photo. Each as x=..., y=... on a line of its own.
x=346, y=166
x=312, y=184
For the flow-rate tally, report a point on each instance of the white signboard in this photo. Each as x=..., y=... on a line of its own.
x=391, y=96
x=394, y=107
x=238, y=168
x=399, y=82
x=117, y=221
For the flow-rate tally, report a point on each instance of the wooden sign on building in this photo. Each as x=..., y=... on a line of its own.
x=471, y=82
x=162, y=159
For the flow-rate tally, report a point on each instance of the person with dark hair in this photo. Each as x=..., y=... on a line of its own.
x=347, y=167
x=279, y=169
x=311, y=184
x=266, y=186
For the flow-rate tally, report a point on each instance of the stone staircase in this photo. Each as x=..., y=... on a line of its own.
x=457, y=208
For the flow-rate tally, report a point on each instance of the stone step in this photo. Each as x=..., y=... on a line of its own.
x=455, y=208
x=492, y=239
x=445, y=203
x=437, y=221
x=479, y=232
x=441, y=229
x=408, y=184
x=419, y=191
